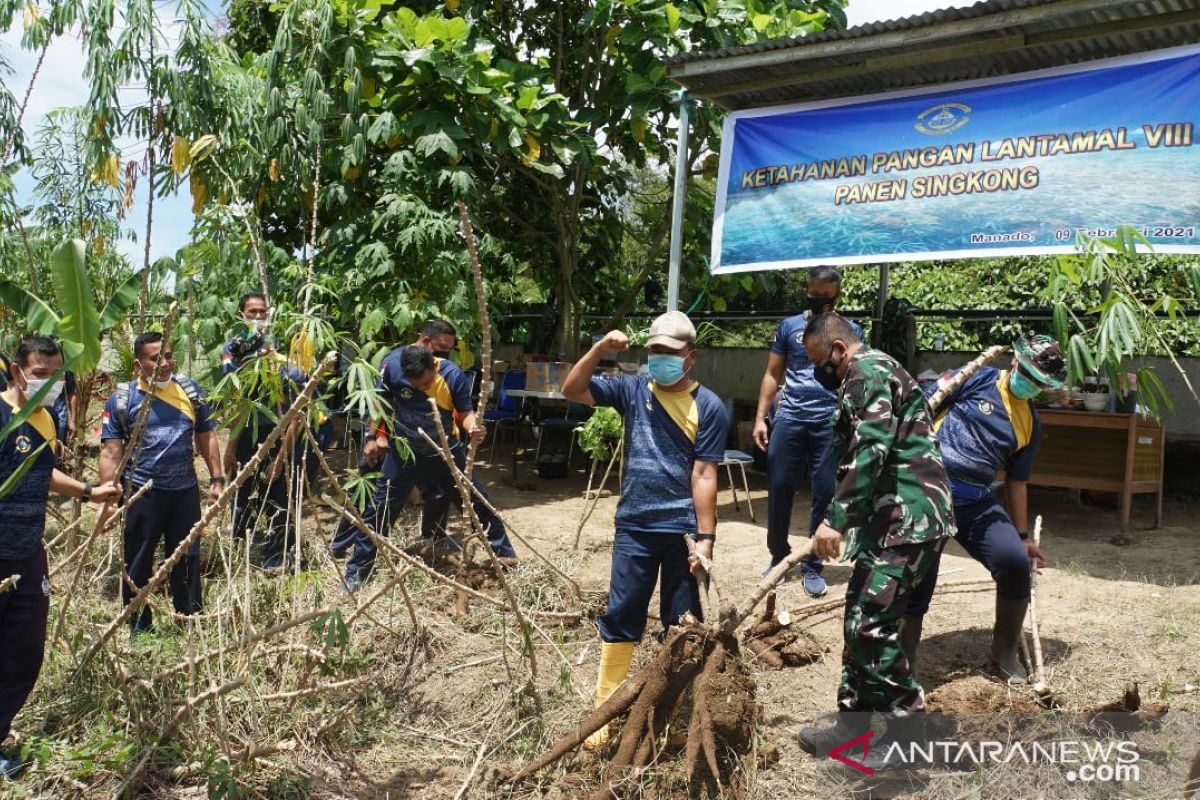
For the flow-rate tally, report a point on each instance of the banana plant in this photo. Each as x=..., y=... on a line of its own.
x=79, y=319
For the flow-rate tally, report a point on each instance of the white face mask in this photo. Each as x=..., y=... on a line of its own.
x=163, y=384
x=34, y=385
x=259, y=325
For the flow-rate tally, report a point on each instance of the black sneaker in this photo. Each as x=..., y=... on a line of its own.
x=11, y=765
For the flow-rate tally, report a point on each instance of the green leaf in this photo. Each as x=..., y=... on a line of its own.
x=431, y=143
x=672, y=12
x=38, y=315
x=80, y=320
x=122, y=300
x=1061, y=327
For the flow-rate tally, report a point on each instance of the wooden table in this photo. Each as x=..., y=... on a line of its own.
x=1102, y=451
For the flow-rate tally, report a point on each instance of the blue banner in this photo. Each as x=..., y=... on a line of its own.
x=1009, y=166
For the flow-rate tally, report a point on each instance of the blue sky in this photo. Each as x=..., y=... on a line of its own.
x=61, y=83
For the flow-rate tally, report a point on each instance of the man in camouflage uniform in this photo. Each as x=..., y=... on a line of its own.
x=892, y=506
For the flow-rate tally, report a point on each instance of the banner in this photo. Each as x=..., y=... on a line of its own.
x=1010, y=166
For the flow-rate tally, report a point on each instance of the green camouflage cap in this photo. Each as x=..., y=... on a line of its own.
x=1040, y=359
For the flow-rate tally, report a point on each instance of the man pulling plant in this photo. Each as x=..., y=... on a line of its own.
x=178, y=421
x=892, y=508
x=990, y=424
x=675, y=432
x=27, y=476
x=410, y=375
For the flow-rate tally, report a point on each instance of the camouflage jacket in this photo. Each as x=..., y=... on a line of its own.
x=892, y=488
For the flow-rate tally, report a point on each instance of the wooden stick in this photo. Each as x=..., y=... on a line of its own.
x=478, y=530
x=459, y=475
x=485, y=324
x=952, y=385
x=1039, y=685
x=767, y=584
x=248, y=469
x=587, y=510
x=382, y=543
x=116, y=520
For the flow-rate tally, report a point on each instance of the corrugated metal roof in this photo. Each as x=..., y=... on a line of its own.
x=988, y=39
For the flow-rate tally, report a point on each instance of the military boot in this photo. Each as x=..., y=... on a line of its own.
x=1006, y=635
x=910, y=640
x=818, y=741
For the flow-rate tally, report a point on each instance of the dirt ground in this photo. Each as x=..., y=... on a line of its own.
x=1110, y=615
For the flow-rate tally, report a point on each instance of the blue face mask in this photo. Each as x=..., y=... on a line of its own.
x=666, y=370
x=1021, y=387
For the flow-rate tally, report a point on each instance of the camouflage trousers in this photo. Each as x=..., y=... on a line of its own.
x=876, y=675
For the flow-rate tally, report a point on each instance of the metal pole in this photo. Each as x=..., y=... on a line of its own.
x=679, y=198
x=880, y=302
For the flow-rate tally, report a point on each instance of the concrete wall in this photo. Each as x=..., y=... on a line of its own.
x=734, y=373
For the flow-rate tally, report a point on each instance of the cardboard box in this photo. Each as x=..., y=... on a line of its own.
x=537, y=376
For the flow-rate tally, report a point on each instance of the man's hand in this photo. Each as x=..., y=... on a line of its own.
x=761, y=434
x=71, y=430
x=827, y=543
x=106, y=493
x=478, y=433
x=374, y=451
x=214, y=491
x=704, y=548
x=1036, y=559
x=614, y=342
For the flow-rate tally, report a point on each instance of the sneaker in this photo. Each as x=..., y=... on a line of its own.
x=11, y=766
x=339, y=553
x=814, y=584
x=353, y=583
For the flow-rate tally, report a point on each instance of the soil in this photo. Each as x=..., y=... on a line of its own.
x=1109, y=614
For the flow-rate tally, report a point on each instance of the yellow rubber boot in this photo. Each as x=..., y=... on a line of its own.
x=614, y=666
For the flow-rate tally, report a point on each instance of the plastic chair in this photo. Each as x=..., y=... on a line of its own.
x=576, y=414
x=739, y=459
x=508, y=408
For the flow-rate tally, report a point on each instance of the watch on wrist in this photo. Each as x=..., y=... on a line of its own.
x=706, y=537
x=213, y=481
x=86, y=494
x=1024, y=535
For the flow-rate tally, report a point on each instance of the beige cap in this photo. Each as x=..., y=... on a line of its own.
x=672, y=329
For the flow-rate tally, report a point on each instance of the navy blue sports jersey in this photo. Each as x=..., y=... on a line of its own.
x=665, y=434
x=167, y=449
x=802, y=399
x=982, y=429
x=410, y=406
x=23, y=509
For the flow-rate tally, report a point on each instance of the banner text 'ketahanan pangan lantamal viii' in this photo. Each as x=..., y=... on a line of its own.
x=1011, y=166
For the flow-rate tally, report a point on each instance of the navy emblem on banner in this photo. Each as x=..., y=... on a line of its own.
x=943, y=118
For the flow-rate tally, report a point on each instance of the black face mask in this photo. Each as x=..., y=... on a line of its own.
x=820, y=305
x=827, y=375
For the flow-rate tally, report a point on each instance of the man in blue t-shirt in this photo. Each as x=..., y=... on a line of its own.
x=409, y=377
x=179, y=422
x=25, y=606
x=675, y=434
x=801, y=431
x=987, y=425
